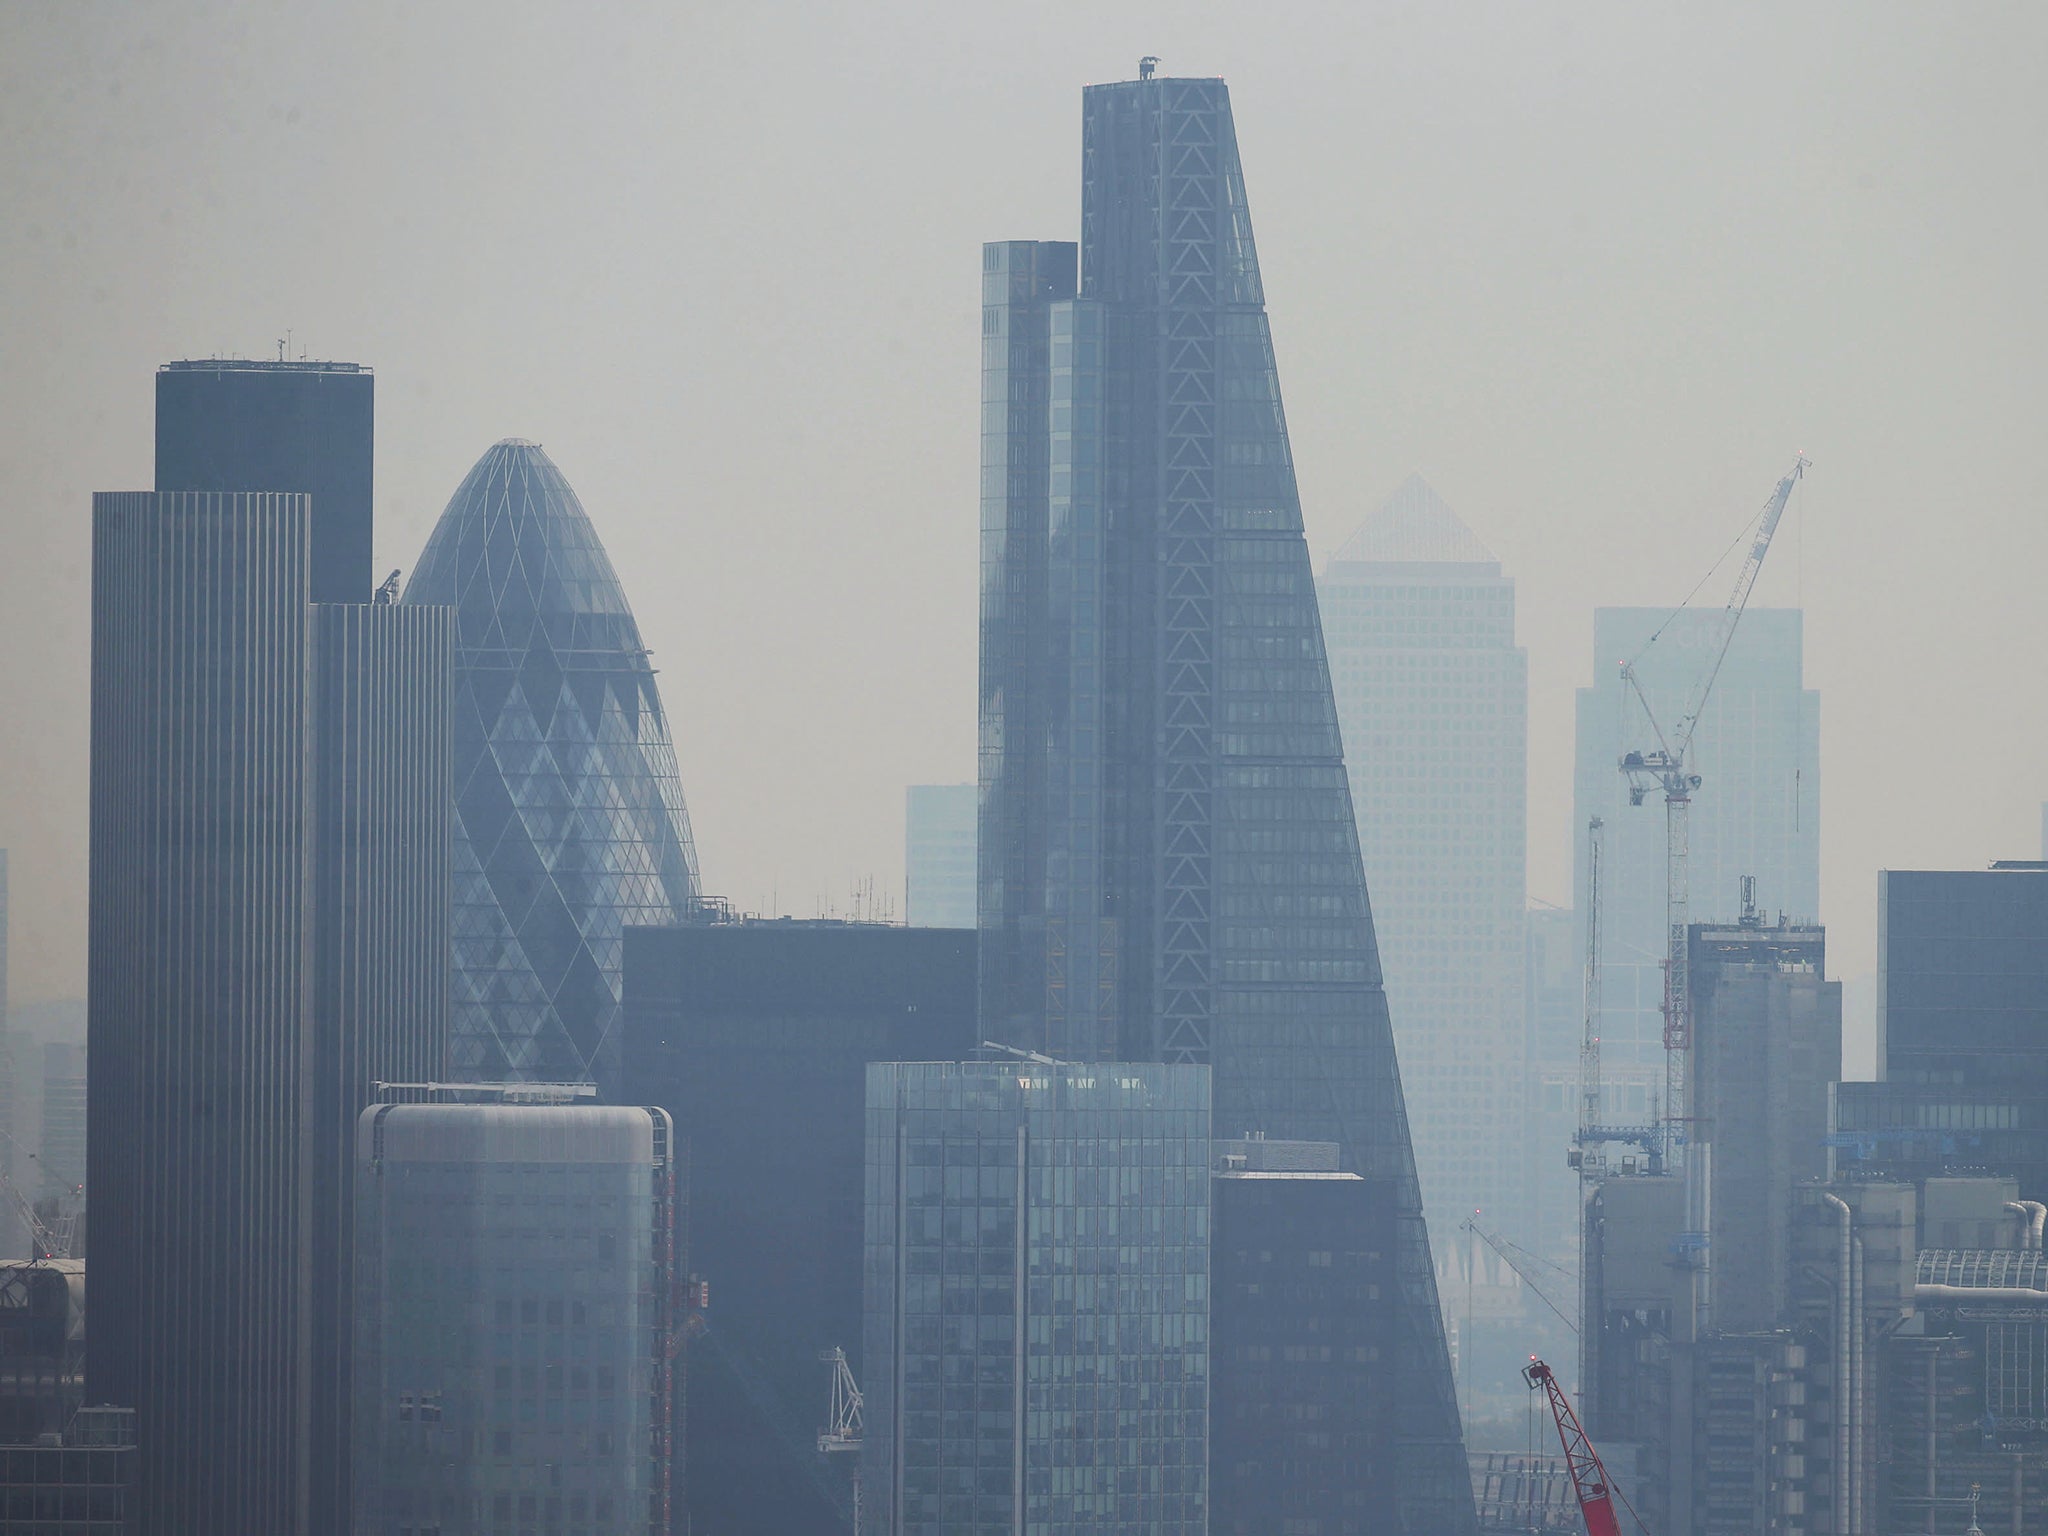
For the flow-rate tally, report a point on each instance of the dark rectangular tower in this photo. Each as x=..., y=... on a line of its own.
x=757, y=1037
x=272, y=793
x=243, y=425
x=200, y=996
x=1962, y=1030
x=1170, y=866
x=1301, y=1426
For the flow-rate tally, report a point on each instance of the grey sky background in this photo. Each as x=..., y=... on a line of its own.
x=1596, y=270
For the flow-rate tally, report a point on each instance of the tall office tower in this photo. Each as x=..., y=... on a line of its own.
x=1767, y=1048
x=756, y=1035
x=516, y=1322
x=1756, y=812
x=1962, y=1030
x=569, y=816
x=242, y=425
x=1553, y=1002
x=1433, y=697
x=1694, y=1287
x=1037, y=1299
x=1169, y=867
x=60, y=1143
x=270, y=803
x=1300, y=1428
x=939, y=827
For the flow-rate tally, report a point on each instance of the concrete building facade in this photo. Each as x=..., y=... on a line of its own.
x=516, y=1316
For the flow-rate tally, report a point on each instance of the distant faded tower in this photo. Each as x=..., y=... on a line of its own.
x=939, y=831
x=570, y=818
x=1757, y=811
x=1433, y=697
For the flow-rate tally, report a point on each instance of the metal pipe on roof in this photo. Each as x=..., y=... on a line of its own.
x=1841, y=1366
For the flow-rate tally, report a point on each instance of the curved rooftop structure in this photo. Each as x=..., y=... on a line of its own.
x=570, y=821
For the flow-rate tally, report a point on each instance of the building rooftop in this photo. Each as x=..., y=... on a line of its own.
x=1414, y=526
x=258, y=365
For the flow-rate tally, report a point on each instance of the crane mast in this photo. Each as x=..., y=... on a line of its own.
x=1589, y=1477
x=1589, y=1042
x=1669, y=768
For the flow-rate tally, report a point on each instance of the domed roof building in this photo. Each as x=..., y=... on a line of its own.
x=570, y=821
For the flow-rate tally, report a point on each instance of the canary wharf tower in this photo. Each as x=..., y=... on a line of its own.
x=1169, y=869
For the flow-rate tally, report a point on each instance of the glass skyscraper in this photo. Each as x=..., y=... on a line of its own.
x=756, y=1034
x=237, y=424
x=271, y=799
x=1433, y=697
x=570, y=822
x=1037, y=1297
x=1169, y=867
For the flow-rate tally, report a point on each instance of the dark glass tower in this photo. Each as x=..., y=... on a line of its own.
x=242, y=425
x=1170, y=870
x=570, y=819
x=721, y=1019
x=270, y=848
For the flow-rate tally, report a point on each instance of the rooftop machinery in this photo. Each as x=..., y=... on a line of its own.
x=1669, y=767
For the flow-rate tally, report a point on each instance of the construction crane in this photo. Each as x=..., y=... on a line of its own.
x=842, y=1431
x=1589, y=1477
x=1508, y=1252
x=46, y=1241
x=1669, y=768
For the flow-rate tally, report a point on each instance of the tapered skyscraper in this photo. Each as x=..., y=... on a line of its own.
x=569, y=816
x=1169, y=866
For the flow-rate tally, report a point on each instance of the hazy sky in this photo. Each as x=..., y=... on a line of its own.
x=1596, y=270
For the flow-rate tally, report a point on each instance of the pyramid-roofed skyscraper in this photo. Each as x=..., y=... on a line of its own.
x=1433, y=697
x=1414, y=526
x=1169, y=867
x=570, y=816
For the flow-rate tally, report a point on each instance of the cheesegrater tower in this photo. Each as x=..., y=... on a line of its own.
x=1169, y=868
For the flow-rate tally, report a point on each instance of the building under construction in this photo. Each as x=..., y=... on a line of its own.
x=1690, y=1292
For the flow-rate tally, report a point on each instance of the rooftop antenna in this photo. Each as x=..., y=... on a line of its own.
x=1146, y=65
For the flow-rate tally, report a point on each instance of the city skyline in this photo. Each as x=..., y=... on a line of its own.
x=1615, y=442
x=448, y=1125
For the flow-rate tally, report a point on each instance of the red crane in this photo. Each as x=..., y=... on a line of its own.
x=1589, y=1478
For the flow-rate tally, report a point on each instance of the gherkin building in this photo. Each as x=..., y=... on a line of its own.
x=570, y=822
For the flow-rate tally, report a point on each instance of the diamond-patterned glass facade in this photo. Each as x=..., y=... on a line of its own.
x=570, y=820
